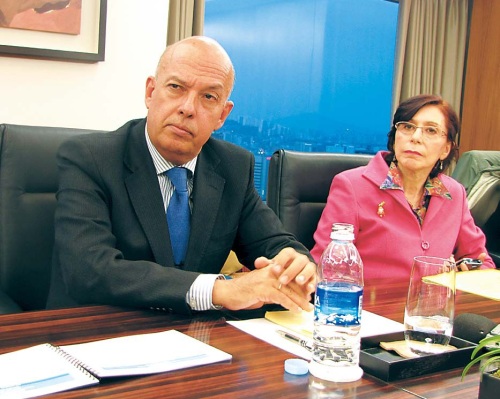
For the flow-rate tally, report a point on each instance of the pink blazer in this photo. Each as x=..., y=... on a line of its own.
x=388, y=244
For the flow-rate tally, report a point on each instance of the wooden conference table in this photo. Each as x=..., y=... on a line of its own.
x=257, y=368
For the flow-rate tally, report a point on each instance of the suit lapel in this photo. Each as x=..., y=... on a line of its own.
x=207, y=196
x=434, y=209
x=145, y=195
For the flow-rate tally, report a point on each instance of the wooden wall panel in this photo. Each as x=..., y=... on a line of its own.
x=481, y=103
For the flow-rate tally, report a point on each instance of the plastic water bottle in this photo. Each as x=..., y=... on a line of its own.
x=337, y=309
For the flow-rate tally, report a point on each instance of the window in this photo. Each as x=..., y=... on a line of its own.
x=311, y=75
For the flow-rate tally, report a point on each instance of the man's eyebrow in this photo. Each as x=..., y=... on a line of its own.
x=176, y=79
x=216, y=86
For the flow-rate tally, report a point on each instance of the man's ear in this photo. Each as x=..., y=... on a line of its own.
x=150, y=87
x=228, y=106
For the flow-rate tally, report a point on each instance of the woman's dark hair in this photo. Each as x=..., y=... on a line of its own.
x=408, y=108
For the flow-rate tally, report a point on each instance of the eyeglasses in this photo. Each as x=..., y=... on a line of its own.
x=428, y=132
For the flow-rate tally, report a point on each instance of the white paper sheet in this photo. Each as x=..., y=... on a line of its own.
x=266, y=330
x=144, y=354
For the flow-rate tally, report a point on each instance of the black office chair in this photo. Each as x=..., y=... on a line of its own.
x=298, y=187
x=28, y=182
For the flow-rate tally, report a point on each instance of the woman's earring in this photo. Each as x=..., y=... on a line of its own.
x=440, y=165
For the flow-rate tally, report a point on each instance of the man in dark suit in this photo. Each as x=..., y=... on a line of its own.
x=112, y=242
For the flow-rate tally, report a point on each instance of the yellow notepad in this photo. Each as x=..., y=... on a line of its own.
x=303, y=323
x=484, y=283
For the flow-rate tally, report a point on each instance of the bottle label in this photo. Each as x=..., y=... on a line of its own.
x=338, y=304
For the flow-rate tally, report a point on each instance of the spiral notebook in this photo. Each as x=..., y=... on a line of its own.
x=45, y=368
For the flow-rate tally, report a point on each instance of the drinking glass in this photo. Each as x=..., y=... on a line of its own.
x=430, y=306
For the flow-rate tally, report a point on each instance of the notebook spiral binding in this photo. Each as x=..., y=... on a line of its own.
x=84, y=368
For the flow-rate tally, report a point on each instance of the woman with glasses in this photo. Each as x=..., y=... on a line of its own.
x=402, y=204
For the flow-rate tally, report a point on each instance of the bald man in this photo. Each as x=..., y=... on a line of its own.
x=113, y=242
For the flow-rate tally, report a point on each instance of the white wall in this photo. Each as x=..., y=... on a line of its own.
x=101, y=95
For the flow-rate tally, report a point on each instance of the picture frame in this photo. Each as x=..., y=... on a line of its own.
x=88, y=46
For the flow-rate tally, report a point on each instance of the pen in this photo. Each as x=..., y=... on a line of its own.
x=300, y=341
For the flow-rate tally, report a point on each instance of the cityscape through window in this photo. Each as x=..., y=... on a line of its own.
x=311, y=75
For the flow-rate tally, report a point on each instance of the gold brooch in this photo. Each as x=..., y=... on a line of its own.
x=380, y=210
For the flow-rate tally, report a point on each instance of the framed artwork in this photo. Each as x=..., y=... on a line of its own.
x=70, y=30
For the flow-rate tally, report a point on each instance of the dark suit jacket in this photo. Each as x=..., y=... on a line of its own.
x=112, y=243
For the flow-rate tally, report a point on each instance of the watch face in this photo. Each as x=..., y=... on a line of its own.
x=471, y=263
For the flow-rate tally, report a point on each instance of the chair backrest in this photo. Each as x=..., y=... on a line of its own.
x=298, y=187
x=487, y=211
x=474, y=165
x=28, y=183
x=479, y=172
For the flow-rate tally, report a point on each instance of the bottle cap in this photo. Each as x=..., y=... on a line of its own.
x=342, y=231
x=296, y=366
